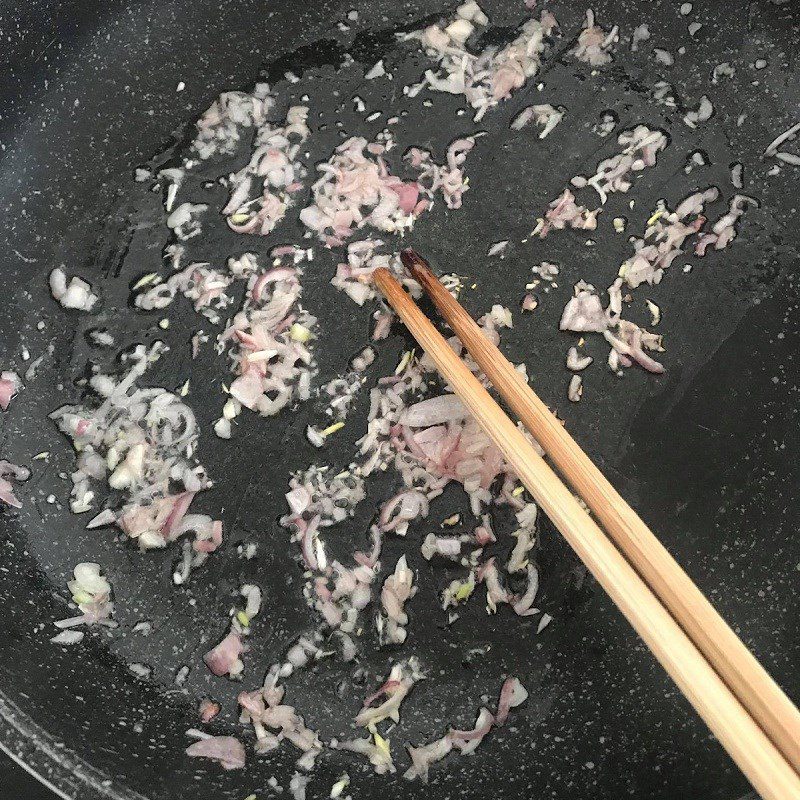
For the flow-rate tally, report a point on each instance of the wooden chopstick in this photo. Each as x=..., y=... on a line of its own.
x=745, y=741
x=737, y=666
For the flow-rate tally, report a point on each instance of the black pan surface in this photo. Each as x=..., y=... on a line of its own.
x=707, y=453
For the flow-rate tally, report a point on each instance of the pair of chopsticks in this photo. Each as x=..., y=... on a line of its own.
x=745, y=709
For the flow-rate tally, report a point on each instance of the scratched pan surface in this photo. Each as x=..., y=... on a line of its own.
x=708, y=453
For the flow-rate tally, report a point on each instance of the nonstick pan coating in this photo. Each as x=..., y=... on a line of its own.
x=708, y=454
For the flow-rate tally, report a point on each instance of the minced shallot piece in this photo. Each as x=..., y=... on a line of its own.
x=68, y=637
x=77, y=294
x=208, y=709
x=663, y=56
x=91, y=592
x=594, y=43
x=702, y=113
x=265, y=710
x=297, y=785
x=395, y=689
x=498, y=248
x=584, y=313
x=512, y=694
x=496, y=593
x=577, y=362
x=434, y=411
x=10, y=385
x=640, y=34
x=525, y=536
x=379, y=755
x=788, y=158
x=523, y=605
x=270, y=347
x=422, y=757
x=545, y=115
x=16, y=473
x=563, y=212
x=398, y=588
x=445, y=546
x=226, y=750
x=736, y=175
x=469, y=741
x=615, y=174
x=183, y=220
x=377, y=71
x=224, y=658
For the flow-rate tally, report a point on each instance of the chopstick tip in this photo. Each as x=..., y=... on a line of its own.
x=414, y=262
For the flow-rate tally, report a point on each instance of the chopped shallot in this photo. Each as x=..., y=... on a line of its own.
x=702, y=113
x=512, y=694
x=224, y=659
x=10, y=385
x=141, y=442
x=640, y=34
x=226, y=750
x=76, y=294
x=397, y=686
x=274, y=162
x=544, y=115
x=640, y=147
x=91, y=592
x=594, y=43
x=564, y=211
x=265, y=710
x=487, y=78
x=16, y=473
x=496, y=593
x=379, y=755
x=787, y=136
x=577, y=362
x=397, y=589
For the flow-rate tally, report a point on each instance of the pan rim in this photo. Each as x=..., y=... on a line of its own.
x=51, y=762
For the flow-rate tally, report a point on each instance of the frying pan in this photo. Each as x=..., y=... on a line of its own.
x=708, y=453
